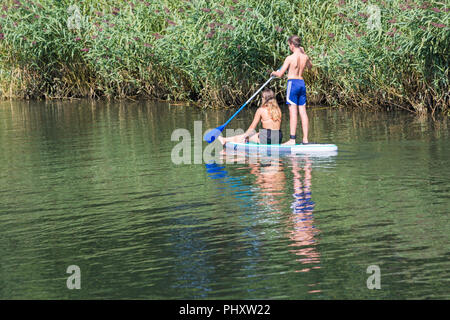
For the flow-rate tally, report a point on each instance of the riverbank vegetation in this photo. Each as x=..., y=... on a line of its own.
x=392, y=54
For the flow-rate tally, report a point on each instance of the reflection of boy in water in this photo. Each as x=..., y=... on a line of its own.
x=302, y=219
x=272, y=181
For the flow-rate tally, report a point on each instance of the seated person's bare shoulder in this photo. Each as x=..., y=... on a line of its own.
x=261, y=110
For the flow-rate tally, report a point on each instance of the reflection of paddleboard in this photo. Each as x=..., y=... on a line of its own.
x=310, y=148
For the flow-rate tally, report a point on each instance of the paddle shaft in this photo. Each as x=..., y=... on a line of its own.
x=210, y=136
x=265, y=84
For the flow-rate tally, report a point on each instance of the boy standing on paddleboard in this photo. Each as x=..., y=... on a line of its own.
x=296, y=90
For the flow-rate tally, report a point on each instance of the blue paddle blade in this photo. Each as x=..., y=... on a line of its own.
x=212, y=135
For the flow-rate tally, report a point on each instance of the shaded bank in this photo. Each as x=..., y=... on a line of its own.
x=366, y=53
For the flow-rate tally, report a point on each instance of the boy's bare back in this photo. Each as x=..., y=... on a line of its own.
x=296, y=64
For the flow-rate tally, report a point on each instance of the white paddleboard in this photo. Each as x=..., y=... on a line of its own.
x=310, y=148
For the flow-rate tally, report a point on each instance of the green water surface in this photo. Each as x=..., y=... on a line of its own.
x=94, y=185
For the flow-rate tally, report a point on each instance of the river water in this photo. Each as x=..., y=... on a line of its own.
x=95, y=185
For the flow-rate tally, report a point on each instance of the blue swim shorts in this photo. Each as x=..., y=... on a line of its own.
x=296, y=92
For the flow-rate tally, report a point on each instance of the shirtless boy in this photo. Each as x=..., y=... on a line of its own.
x=296, y=90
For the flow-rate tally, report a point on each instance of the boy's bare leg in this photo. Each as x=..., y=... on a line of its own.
x=292, y=123
x=305, y=122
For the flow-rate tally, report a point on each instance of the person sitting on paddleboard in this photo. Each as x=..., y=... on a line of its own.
x=269, y=113
x=296, y=90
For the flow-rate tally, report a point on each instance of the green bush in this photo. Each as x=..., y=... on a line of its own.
x=218, y=52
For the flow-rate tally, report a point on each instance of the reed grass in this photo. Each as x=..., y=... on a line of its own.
x=217, y=52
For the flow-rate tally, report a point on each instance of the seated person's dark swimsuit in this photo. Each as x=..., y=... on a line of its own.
x=268, y=136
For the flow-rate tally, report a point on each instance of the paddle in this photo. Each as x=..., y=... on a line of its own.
x=211, y=135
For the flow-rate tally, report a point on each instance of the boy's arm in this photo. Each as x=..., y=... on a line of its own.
x=250, y=131
x=308, y=60
x=282, y=70
x=308, y=63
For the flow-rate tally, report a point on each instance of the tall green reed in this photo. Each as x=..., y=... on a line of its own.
x=218, y=52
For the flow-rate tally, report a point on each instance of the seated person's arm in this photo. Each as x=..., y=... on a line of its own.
x=251, y=130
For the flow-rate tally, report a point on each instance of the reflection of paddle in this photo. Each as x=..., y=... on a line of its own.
x=211, y=135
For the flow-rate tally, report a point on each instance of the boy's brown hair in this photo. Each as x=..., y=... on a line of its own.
x=295, y=40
